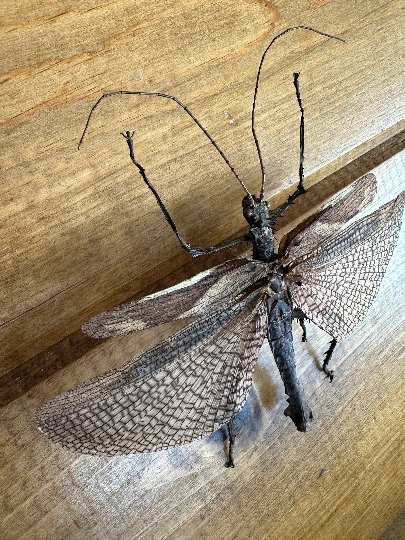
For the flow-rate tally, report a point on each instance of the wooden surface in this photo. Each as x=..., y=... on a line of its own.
x=342, y=480
x=80, y=233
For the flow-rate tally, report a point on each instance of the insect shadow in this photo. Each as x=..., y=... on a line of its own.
x=198, y=379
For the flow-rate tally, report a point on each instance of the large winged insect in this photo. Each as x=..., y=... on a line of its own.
x=195, y=381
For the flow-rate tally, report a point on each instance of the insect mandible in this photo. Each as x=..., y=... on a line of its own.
x=195, y=381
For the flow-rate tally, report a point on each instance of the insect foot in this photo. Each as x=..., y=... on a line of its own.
x=195, y=251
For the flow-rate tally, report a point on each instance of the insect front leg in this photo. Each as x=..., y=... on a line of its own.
x=328, y=356
x=194, y=250
x=300, y=188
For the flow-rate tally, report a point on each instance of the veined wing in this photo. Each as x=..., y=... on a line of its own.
x=180, y=390
x=208, y=290
x=336, y=283
x=314, y=230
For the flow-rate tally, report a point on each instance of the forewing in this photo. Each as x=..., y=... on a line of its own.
x=208, y=290
x=313, y=231
x=336, y=283
x=181, y=390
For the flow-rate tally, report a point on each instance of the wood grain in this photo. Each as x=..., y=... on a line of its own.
x=343, y=480
x=80, y=233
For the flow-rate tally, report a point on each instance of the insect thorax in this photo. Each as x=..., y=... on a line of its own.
x=256, y=213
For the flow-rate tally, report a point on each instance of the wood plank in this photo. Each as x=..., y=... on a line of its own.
x=79, y=231
x=342, y=480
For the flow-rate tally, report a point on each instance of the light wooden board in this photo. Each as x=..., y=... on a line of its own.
x=80, y=232
x=343, y=480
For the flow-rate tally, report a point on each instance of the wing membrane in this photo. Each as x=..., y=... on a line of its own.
x=340, y=279
x=181, y=390
x=317, y=228
x=192, y=298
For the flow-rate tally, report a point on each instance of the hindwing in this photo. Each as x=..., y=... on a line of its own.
x=180, y=390
x=335, y=284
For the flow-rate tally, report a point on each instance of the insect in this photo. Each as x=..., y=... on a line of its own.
x=195, y=381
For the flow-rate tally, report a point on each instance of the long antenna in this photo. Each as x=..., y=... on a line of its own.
x=257, y=88
x=158, y=94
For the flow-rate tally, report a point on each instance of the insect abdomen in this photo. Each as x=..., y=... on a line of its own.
x=279, y=333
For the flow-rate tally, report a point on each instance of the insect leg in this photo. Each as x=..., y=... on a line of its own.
x=257, y=88
x=328, y=356
x=304, y=330
x=231, y=431
x=300, y=188
x=194, y=250
x=301, y=317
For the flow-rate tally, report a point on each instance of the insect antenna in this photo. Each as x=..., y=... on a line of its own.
x=173, y=98
x=255, y=101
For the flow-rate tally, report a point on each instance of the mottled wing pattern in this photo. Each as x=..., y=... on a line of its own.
x=312, y=232
x=180, y=390
x=208, y=290
x=335, y=284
